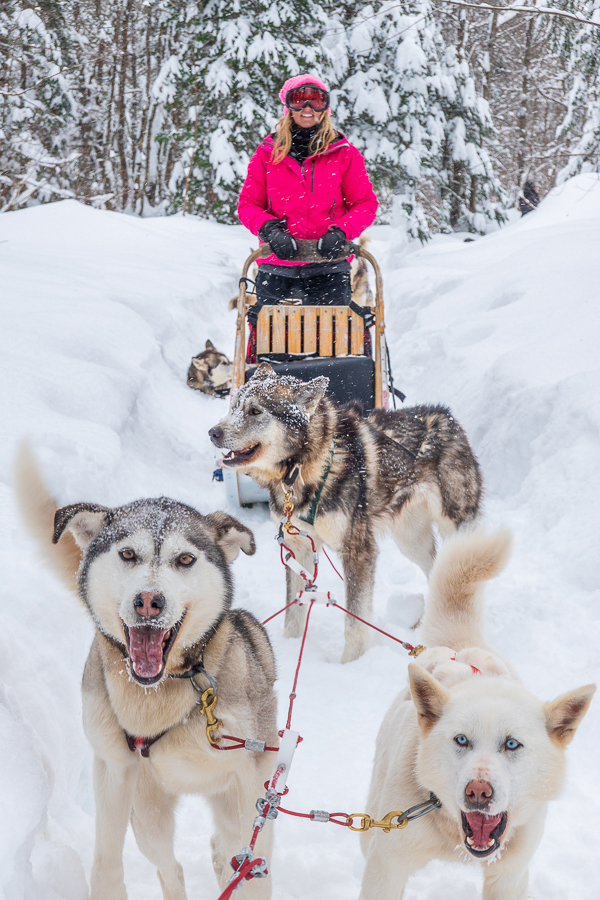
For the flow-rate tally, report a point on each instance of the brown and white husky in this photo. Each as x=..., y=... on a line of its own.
x=155, y=578
x=403, y=472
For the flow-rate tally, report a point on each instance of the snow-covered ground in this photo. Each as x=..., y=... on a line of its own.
x=101, y=314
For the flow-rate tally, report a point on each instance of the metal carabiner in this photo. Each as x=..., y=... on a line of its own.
x=385, y=823
x=209, y=701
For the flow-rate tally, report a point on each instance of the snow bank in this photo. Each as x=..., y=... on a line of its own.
x=102, y=314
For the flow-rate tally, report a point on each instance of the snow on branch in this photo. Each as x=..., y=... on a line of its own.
x=41, y=81
x=535, y=10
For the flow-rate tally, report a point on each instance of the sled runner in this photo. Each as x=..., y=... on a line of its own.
x=345, y=343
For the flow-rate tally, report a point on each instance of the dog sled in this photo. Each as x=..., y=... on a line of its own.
x=345, y=343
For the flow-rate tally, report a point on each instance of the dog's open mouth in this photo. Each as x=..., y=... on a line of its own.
x=240, y=457
x=483, y=833
x=149, y=648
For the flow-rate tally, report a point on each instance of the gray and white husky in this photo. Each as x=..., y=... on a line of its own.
x=470, y=732
x=210, y=372
x=155, y=578
x=403, y=472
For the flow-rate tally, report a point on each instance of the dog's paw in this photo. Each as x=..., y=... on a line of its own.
x=292, y=631
x=351, y=654
x=355, y=646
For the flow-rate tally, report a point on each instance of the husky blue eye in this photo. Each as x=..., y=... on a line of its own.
x=512, y=744
x=462, y=740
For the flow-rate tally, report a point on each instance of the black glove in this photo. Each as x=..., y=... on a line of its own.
x=283, y=244
x=331, y=244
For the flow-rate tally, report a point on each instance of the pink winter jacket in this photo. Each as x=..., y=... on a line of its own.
x=332, y=188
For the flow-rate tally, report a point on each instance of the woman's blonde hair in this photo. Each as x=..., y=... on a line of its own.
x=283, y=142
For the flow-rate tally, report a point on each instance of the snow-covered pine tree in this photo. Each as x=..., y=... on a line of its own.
x=383, y=66
x=410, y=106
x=580, y=46
x=471, y=195
x=35, y=104
x=124, y=51
x=525, y=85
x=235, y=56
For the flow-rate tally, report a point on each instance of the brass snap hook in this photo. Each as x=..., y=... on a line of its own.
x=385, y=823
x=209, y=701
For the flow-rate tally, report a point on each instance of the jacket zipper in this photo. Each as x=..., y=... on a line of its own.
x=332, y=210
x=312, y=179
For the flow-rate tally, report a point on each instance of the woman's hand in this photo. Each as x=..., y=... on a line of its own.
x=283, y=244
x=331, y=244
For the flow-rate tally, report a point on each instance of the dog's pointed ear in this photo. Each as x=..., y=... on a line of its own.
x=199, y=364
x=209, y=345
x=564, y=714
x=428, y=696
x=83, y=520
x=232, y=536
x=310, y=394
x=263, y=371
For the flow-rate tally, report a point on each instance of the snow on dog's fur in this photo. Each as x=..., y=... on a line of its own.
x=400, y=471
x=473, y=735
x=155, y=578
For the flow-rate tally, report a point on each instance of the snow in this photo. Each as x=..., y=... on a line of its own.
x=102, y=313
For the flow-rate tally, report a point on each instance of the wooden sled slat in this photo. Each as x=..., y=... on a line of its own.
x=310, y=328
x=341, y=332
x=279, y=316
x=357, y=335
x=263, y=331
x=295, y=330
x=288, y=329
x=325, y=331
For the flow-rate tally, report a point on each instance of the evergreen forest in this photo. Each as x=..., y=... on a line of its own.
x=155, y=106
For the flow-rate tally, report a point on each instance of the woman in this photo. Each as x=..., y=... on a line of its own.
x=306, y=181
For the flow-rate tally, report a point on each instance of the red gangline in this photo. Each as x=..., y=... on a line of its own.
x=331, y=564
x=300, y=815
x=280, y=611
x=276, y=776
x=263, y=815
x=240, y=745
x=293, y=694
x=380, y=630
x=240, y=876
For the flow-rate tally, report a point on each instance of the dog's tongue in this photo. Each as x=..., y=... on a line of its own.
x=482, y=827
x=145, y=648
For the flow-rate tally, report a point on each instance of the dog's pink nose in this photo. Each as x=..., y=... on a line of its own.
x=479, y=792
x=149, y=604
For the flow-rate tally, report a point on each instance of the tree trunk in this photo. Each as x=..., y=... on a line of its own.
x=123, y=50
x=523, y=117
x=489, y=64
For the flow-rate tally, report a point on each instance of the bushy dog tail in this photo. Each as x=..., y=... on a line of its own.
x=37, y=508
x=458, y=471
x=454, y=611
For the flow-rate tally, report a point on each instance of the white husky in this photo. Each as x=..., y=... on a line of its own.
x=473, y=735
